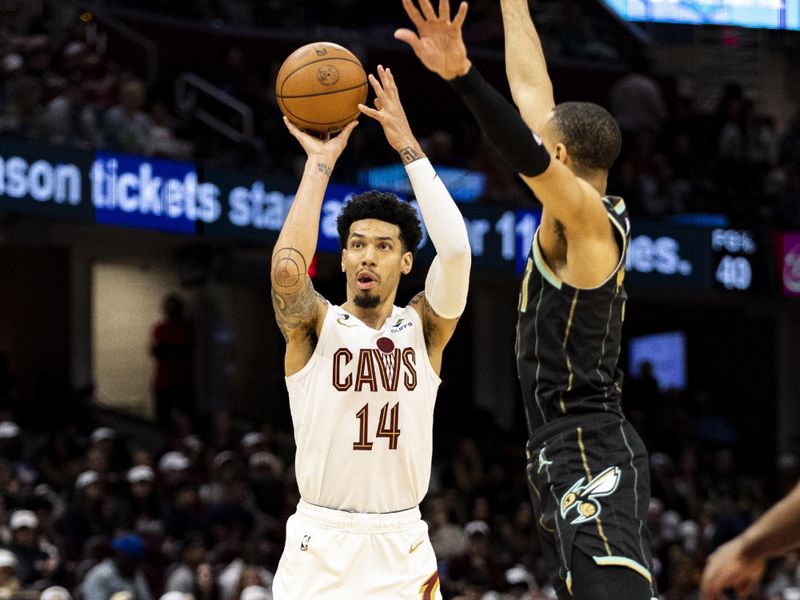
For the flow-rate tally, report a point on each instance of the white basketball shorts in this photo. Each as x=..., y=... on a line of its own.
x=338, y=555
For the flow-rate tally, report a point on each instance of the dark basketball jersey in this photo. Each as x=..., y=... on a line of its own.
x=568, y=339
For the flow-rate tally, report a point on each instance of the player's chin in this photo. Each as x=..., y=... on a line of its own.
x=366, y=299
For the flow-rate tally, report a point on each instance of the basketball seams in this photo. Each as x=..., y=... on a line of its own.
x=314, y=90
x=347, y=119
x=304, y=65
x=347, y=89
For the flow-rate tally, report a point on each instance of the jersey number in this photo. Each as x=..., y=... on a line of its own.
x=388, y=427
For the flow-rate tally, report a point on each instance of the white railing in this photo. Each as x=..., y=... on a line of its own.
x=191, y=88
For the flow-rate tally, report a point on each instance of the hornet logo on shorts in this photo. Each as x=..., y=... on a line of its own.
x=304, y=543
x=583, y=498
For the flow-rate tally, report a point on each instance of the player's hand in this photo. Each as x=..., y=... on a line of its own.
x=729, y=567
x=389, y=111
x=328, y=149
x=437, y=41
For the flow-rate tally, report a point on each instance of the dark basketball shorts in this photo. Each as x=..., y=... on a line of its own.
x=590, y=487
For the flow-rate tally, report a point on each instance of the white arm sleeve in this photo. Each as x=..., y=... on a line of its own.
x=447, y=282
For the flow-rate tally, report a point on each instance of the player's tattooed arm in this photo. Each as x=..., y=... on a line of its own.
x=293, y=296
x=409, y=155
x=435, y=328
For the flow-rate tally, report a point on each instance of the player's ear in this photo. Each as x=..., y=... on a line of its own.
x=560, y=153
x=344, y=257
x=406, y=262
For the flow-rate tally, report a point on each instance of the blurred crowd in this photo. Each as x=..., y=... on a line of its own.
x=134, y=512
x=97, y=512
x=64, y=89
x=67, y=92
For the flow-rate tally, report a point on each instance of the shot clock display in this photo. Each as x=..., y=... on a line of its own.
x=742, y=260
x=701, y=258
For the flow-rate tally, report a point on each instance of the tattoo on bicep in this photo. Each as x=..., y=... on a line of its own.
x=408, y=155
x=293, y=311
x=289, y=266
x=323, y=168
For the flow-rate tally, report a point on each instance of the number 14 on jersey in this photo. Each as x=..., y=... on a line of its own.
x=388, y=427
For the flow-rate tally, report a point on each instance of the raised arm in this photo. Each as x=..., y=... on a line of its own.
x=447, y=282
x=298, y=308
x=440, y=47
x=740, y=563
x=525, y=64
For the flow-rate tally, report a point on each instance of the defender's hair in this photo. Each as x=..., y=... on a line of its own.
x=382, y=206
x=590, y=133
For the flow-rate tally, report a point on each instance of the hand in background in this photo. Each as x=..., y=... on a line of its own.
x=437, y=41
x=729, y=567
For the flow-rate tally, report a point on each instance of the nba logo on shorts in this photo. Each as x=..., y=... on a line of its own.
x=304, y=543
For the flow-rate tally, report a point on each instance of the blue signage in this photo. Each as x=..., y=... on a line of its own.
x=463, y=184
x=176, y=197
x=150, y=193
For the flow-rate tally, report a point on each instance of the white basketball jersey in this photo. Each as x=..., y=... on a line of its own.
x=362, y=410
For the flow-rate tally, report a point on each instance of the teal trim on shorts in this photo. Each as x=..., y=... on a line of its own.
x=621, y=561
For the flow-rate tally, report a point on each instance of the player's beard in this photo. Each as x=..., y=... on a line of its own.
x=367, y=300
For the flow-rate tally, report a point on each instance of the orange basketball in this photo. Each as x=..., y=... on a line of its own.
x=320, y=86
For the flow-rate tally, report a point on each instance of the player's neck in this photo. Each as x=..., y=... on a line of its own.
x=371, y=317
x=597, y=179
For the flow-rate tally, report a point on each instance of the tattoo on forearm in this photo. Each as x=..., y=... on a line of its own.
x=408, y=155
x=323, y=168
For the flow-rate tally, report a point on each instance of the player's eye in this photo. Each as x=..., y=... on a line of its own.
x=386, y=246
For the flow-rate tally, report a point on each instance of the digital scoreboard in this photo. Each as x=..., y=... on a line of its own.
x=769, y=14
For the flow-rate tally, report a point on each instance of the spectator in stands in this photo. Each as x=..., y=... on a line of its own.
x=59, y=462
x=265, y=473
x=33, y=564
x=119, y=573
x=636, y=101
x=9, y=584
x=182, y=575
x=243, y=576
x=225, y=469
x=205, y=583
x=161, y=140
x=184, y=512
x=477, y=560
x=126, y=126
x=140, y=510
x=447, y=538
x=24, y=116
x=86, y=516
x=172, y=345
x=55, y=592
x=69, y=119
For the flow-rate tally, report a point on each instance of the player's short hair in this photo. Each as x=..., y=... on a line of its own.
x=382, y=206
x=590, y=133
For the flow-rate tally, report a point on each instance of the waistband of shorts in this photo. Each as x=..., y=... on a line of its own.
x=359, y=522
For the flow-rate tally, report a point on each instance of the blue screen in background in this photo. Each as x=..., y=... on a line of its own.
x=771, y=14
x=666, y=352
x=132, y=191
x=464, y=185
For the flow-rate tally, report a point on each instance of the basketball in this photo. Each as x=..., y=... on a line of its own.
x=319, y=87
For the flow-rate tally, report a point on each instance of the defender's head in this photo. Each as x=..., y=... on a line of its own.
x=378, y=234
x=582, y=135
